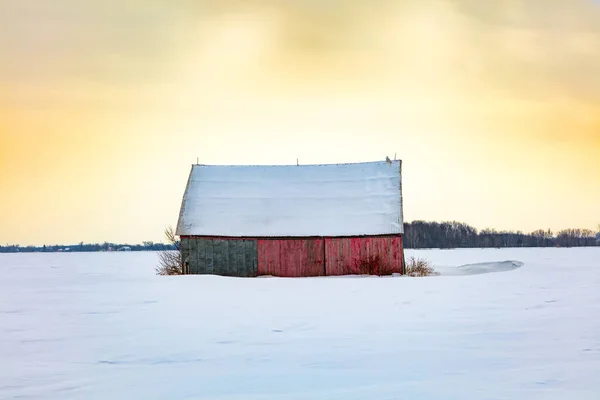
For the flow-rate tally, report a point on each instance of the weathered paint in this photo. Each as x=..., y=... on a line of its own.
x=344, y=256
x=269, y=257
x=291, y=257
x=193, y=260
x=220, y=256
x=185, y=255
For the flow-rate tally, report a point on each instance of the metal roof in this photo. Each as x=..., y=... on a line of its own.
x=293, y=201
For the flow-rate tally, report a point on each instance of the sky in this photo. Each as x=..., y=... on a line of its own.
x=494, y=107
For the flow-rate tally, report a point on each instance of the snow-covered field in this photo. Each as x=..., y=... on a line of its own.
x=103, y=326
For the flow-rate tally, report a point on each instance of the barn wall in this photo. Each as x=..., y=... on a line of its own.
x=223, y=257
x=346, y=256
x=291, y=257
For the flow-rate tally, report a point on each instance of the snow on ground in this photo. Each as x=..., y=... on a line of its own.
x=103, y=326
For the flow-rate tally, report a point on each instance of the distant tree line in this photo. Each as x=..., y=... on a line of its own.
x=445, y=235
x=87, y=247
x=417, y=235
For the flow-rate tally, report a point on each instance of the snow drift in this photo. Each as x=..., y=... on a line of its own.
x=480, y=268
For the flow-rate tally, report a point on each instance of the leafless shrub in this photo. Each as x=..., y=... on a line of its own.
x=419, y=267
x=169, y=261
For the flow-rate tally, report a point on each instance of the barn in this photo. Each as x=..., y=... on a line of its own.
x=293, y=220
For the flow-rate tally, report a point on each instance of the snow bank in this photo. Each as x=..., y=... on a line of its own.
x=479, y=268
x=103, y=326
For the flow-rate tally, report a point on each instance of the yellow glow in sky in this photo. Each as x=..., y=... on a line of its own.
x=493, y=106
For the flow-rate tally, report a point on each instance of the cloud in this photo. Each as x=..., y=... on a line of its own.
x=527, y=49
x=106, y=42
x=533, y=50
x=535, y=15
x=537, y=48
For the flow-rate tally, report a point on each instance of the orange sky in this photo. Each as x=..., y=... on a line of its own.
x=493, y=106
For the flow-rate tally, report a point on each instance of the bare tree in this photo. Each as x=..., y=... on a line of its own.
x=170, y=261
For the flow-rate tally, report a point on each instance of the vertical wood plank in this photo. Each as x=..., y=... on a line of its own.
x=401, y=255
x=252, y=257
x=262, y=258
x=248, y=266
x=236, y=258
x=209, y=256
x=268, y=257
x=286, y=261
x=202, y=256
x=221, y=257
x=193, y=260
x=314, y=260
x=185, y=252
x=198, y=258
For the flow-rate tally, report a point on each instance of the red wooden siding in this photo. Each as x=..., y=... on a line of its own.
x=345, y=255
x=268, y=257
x=291, y=257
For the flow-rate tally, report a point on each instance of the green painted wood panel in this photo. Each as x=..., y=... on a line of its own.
x=193, y=259
x=237, y=259
x=221, y=257
x=185, y=250
x=251, y=257
x=201, y=243
x=209, y=256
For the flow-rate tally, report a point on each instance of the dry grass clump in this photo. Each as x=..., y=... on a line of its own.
x=169, y=261
x=373, y=265
x=419, y=267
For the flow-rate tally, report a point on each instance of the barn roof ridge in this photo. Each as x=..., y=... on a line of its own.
x=296, y=165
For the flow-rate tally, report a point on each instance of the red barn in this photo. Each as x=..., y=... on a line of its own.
x=293, y=221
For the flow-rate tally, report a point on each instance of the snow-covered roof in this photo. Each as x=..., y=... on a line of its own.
x=289, y=200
